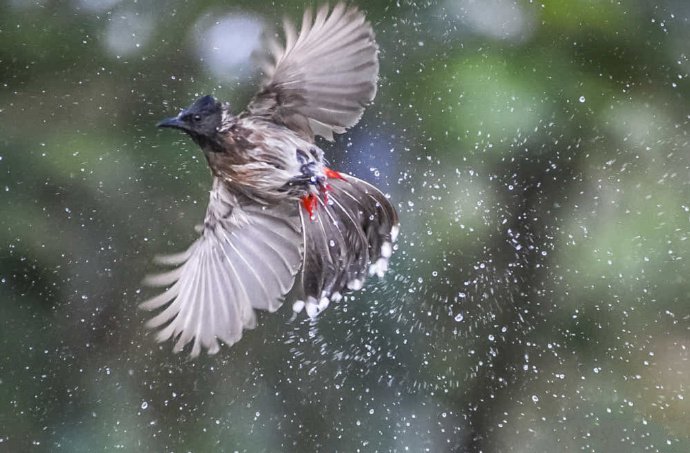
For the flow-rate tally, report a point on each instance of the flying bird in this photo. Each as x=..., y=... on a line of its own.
x=279, y=223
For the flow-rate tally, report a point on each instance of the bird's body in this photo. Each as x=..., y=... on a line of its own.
x=279, y=220
x=256, y=163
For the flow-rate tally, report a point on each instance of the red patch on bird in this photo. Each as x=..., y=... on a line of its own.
x=333, y=174
x=309, y=204
x=310, y=201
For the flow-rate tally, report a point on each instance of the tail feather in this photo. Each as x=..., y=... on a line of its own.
x=350, y=236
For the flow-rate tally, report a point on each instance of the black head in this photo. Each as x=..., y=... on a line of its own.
x=201, y=120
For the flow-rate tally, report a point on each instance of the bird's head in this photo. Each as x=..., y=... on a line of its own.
x=202, y=120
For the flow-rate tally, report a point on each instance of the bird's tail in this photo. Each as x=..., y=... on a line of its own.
x=348, y=235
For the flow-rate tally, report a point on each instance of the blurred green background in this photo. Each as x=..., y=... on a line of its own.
x=538, y=299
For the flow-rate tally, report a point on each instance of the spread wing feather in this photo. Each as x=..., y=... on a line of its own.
x=246, y=258
x=324, y=76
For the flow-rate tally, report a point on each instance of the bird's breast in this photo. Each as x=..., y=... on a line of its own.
x=267, y=163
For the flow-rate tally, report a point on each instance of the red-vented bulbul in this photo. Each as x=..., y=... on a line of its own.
x=279, y=220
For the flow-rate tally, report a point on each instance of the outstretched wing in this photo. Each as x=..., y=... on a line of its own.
x=247, y=257
x=321, y=80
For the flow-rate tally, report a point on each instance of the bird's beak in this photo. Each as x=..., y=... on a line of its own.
x=173, y=122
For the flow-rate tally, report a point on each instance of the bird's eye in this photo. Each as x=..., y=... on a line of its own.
x=197, y=117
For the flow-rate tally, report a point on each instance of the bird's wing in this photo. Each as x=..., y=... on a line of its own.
x=324, y=76
x=247, y=257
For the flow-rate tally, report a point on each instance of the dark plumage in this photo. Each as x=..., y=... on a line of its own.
x=279, y=221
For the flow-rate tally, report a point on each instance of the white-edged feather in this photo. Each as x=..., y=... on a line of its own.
x=347, y=238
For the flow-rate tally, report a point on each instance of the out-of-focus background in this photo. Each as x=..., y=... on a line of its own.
x=538, y=153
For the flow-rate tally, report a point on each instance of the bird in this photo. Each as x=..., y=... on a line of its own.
x=280, y=224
